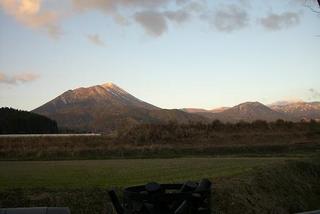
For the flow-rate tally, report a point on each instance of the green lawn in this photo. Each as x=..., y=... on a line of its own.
x=120, y=173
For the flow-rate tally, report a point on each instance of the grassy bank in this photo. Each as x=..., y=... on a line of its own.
x=288, y=188
x=240, y=186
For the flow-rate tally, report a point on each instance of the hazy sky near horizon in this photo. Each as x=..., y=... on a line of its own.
x=171, y=53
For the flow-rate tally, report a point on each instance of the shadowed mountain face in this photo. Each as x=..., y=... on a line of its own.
x=301, y=110
x=105, y=108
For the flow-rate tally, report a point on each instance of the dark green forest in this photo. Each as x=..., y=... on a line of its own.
x=14, y=121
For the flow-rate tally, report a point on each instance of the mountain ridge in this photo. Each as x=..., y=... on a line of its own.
x=106, y=108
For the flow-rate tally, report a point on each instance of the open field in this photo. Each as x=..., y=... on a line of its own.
x=120, y=173
x=240, y=185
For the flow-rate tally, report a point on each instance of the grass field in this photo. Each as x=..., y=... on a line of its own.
x=240, y=185
x=120, y=173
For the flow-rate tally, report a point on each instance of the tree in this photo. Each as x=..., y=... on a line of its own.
x=313, y=5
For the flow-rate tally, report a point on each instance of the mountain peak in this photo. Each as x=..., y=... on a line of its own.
x=251, y=104
x=108, y=85
x=107, y=96
x=250, y=111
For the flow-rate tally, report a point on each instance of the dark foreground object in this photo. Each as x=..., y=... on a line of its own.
x=154, y=198
x=36, y=210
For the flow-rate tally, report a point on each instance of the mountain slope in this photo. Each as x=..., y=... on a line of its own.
x=105, y=108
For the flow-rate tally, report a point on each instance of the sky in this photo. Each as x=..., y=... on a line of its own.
x=171, y=53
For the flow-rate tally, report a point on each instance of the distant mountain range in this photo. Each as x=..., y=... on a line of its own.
x=300, y=110
x=251, y=111
x=107, y=107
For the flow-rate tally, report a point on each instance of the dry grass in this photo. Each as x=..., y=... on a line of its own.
x=240, y=144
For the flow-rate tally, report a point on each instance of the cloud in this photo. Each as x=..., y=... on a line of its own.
x=18, y=78
x=114, y=5
x=181, y=2
x=229, y=18
x=95, y=39
x=276, y=22
x=314, y=93
x=198, y=6
x=178, y=16
x=152, y=15
x=29, y=13
x=153, y=22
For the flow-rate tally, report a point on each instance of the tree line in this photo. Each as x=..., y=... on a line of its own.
x=14, y=121
x=173, y=131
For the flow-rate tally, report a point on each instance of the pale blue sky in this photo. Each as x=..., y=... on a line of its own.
x=197, y=53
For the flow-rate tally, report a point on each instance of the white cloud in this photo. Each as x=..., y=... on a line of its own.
x=29, y=13
x=178, y=16
x=229, y=18
x=275, y=22
x=95, y=39
x=153, y=15
x=111, y=6
x=18, y=78
x=153, y=22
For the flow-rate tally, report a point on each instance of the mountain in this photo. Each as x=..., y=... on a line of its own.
x=286, y=102
x=106, y=108
x=204, y=111
x=218, y=110
x=14, y=121
x=248, y=111
x=295, y=110
x=108, y=95
x=251, y=111
x=301, y=110
x=194, y=110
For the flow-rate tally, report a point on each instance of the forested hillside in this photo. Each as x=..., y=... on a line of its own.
x=14, y=121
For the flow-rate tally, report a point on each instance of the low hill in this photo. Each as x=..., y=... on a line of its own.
x=14, y=121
